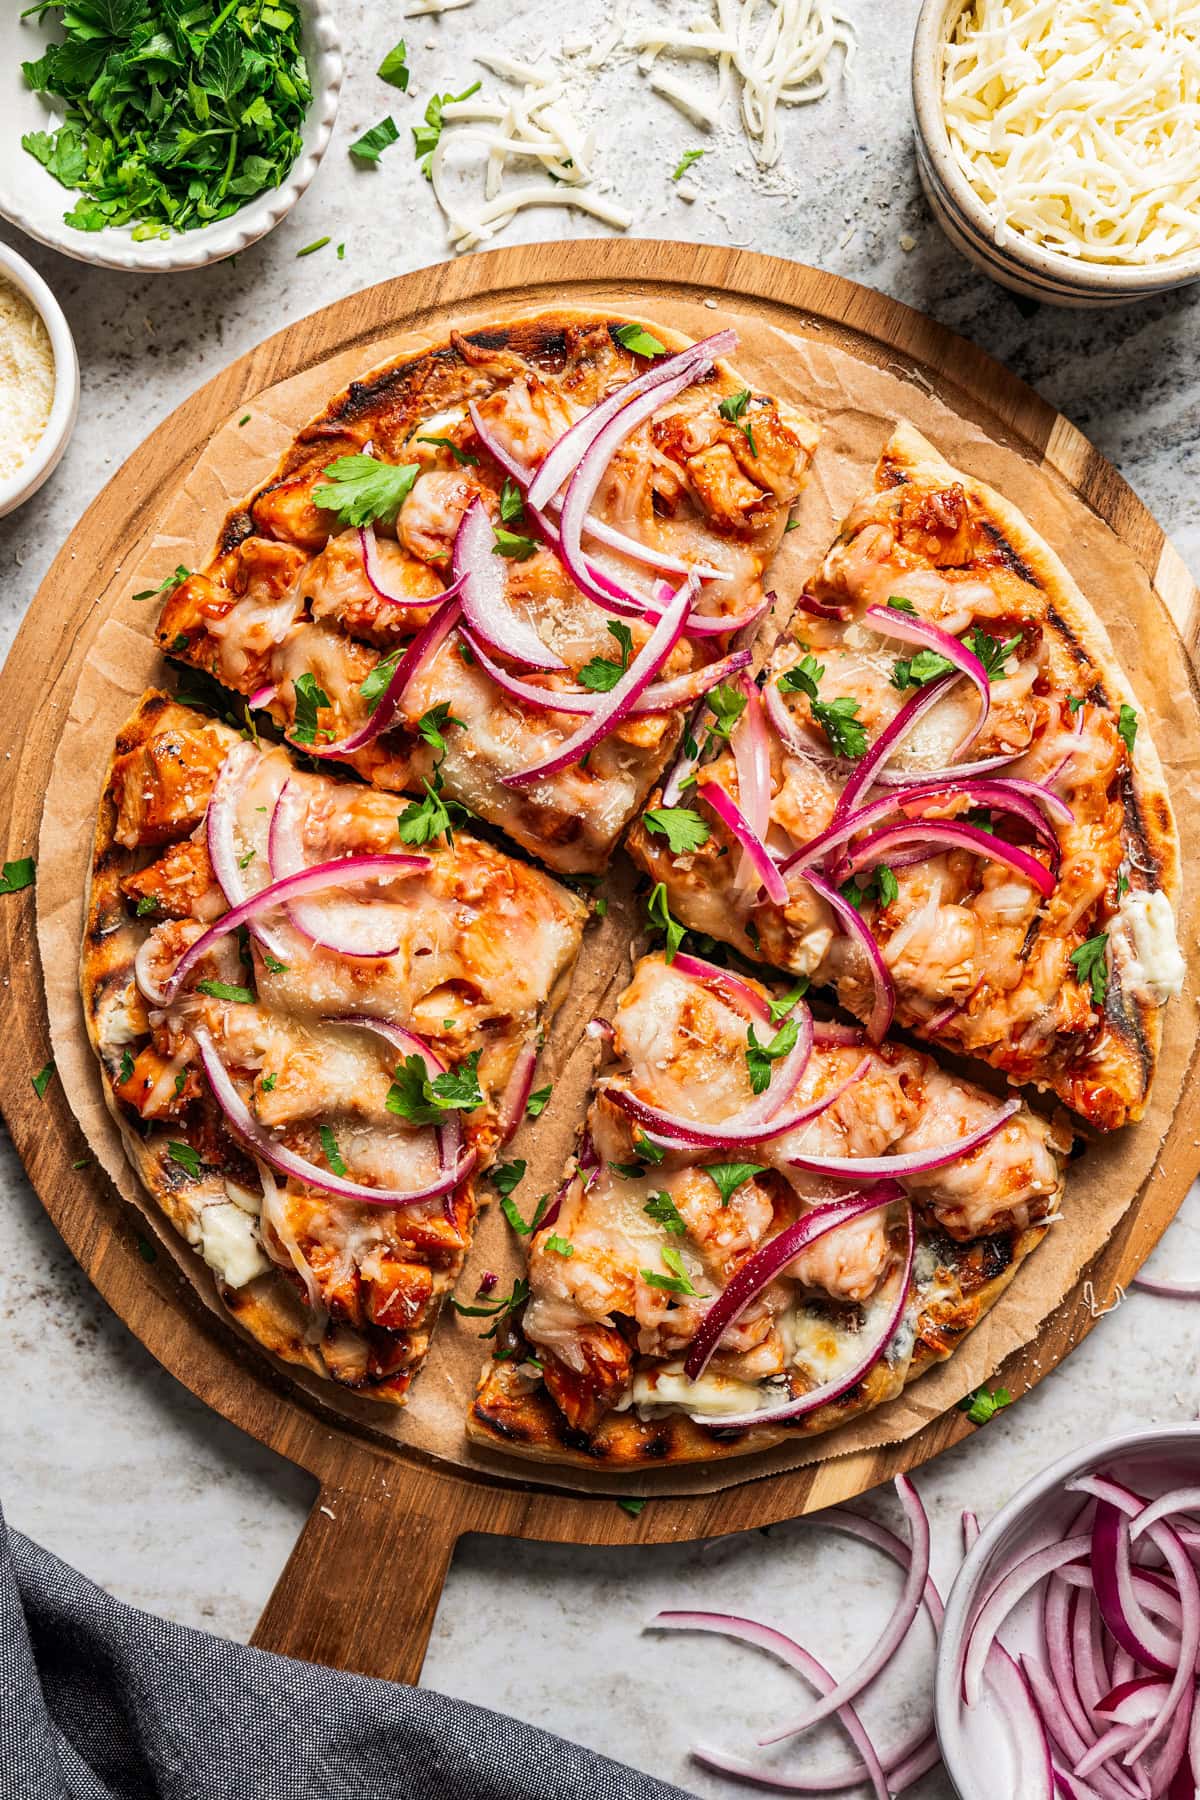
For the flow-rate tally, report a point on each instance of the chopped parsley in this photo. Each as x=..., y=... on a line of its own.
x=898, y=603
x=507, y=1176
x=268, y=1082
x=333, y=1155
x=166, y=586
x=983, y=1405
x=733, y=408
x=559, y=1245
x=41, y=1081
x=273, y=964
x=378, y=681
x=394, y=67
x=759, y=1057
x=600, y=909
x=425, y=137
x=495, y=1308
x=175, y=115
x=928, y=665
x=317, y=244
x=424, y=820
x=602, y=673
x=792, y=525
x=186, y=1157
x=727, y=704
x=629, y=1503
x=17, y=875
x=361, y=489
x=146, y=905
x=1122, y=883
x=1091, y=966
x=1075, y=702
x=837, y=718
x=310, y=696
x=879, y=885
x=245, y=861
x=224, y=990
x=432, y=724
x=126, y=1070
x=685, y=162
x=372, y=144
x=647, y=1149
x=780, y=1008
x=662, y=1209
x=638, y=341
x=537, y=1102
x=413, y=1096
x=1127, y=724
x=463, y=458
x=991, y=652
x=677, y=1282
x=682, y=827
x=658, y=911
x=523, y=1227
x=730, y=1176
x=513, y=544
x=512, y=503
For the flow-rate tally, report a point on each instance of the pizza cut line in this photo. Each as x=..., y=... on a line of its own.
x=506, y=591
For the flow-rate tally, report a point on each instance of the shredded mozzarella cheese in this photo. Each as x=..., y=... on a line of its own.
x=537, y=126
x=26, y=379
x=779, y=50
x=1078, y=123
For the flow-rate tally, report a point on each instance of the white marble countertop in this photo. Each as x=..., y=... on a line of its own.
x=110, y=1463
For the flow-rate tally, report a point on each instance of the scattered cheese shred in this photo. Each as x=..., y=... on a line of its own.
x=1078, y=123
x=779, y=50
x=26, y=379
x=536, y=127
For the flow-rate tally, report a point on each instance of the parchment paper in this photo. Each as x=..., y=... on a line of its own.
x=856, y=401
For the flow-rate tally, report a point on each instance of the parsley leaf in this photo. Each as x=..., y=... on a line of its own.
x=759, y=1057
x=536, y=1104
x=510, y=1303
x=662, y=1209
x=512, y=503
x=837, y=718
x=433, y=723
x=1122, y=883
x=1091, y=966
x=166, y=586
x=513, y=545
x=982, y=1406
x=224, y=990
x=125, y=1072
x=730, y=1176
x=629, y=1503
x=682, y=827
x=413, y=1096
x=361, y=488
x=559, y=1245
x=310, y=697
x=425, y=137
x=273, y=965
x=915, y=671
x=1127, y=724
x=879, y=885
x=423, y=820
x=41, y=1081
x=780, y=1008
x=802, y=678
x=268, y=1082
x=733, y=408
x=727, y=704
x=658, y=912
x=186, y=1157
x=991, y=652
x=678, y=1282
x=394, y=67
x=376, y=684
x=524, y=1228
x=506, y=1176
x=647, y=1149
x=463, y=458
x=333, y=1155
x=372, y=144
x=898, y=603
x=146, y=905
x=1075, y=701
x=685, y=162
x=602, y=673
x=18, y=875
x=638, y=341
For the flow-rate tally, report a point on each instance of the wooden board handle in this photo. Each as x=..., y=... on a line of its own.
x=362, y=1584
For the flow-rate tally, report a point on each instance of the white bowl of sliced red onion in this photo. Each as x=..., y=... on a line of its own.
x=1067, y=1668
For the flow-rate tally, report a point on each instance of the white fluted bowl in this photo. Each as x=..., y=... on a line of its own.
x=45, y=455
x=31, y=198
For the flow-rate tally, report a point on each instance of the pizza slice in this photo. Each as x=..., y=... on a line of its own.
x=312, y=1039
x=772, y=1227
x=944, y=801
x=498, y=574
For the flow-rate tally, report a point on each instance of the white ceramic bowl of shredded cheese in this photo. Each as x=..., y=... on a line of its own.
x=1089, y=217
x=39, y=380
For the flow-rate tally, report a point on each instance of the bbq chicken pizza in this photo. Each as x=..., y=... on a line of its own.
x=493, y=618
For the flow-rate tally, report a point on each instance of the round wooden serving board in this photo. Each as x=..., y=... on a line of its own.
x=361, y=1587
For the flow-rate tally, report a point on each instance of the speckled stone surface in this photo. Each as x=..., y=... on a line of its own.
x=108, y=1461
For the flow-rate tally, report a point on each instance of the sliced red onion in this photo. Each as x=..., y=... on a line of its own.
x=687, y=1133
x=219, y=827
x=983, y=765
x=422, y=648
x=883, y=1006
x=1135, y=1701
x=449, y=1134
x=482, y=576
x=262, y=696
x=1035, y=1770
x=516, y=1092
x=752, y=758
x=731, y=987
x=647, y=554
x=319, y=880
x=1167, y=1290
x=908, y=629
x=616, y=704
x=564, y=456
x=681, y=690
x=1175, y=1500
x=869, y=769
x=764, y=1637
x=687, y=760
x=821, y=609
x=952, y=836
x=369, y=550
x=894, y=1633
x=830, y=1391
x=970, y=1531
x=997, y=796
x=915, y=1162
x=757, y=857
x=660, y=696
x=345, y=926
x=766, y=1264
x=788, y=730
x=245, y=1126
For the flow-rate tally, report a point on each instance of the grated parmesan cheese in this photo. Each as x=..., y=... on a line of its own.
x=26, y=379
x=1077, y=122
x=779, y=50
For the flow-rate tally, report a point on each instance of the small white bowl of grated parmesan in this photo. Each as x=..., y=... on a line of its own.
x=39, y=380
x=1058, y=142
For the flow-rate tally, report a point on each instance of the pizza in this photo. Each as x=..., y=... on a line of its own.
x=309, y=1086
x=402, y=560
x=943, y=803
x=756, y=1246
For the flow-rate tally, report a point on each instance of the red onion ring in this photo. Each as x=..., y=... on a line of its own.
x=427, y=641
x=1167, y=1290
x=368, y=546
x=615, y=705
x=883, y=1007
x=731, y=987
x=687, y=1134
x=262, y=696
x=219, y=827
x=752, y=759
x=347, y=927
x=449, y=1135
x=788, y=730
x=821, y=609
x=756, y=855
x=317, y=880
x=482, y=576
x=830, y=1391
x=246, y=1127
x=952, y=836
x=516, y=1092
x=908, y=629
x=687, y=760
x=758, y=1271
x=916, y=1162
x=660, y=696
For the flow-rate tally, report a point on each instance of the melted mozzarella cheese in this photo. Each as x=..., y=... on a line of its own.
x=1143, y=942
x=230, y=1243
x=711, y=1395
